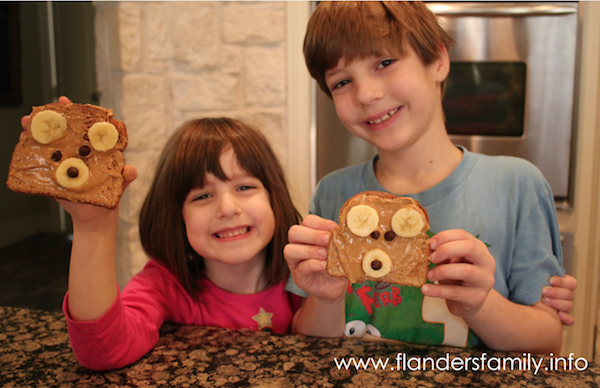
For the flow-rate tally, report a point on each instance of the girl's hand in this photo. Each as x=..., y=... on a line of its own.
x=464, y=270
x=25, y=119
x=306, y=255
x=86, y=214
x=559, y=295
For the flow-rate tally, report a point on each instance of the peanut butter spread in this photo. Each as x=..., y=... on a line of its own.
x=35, y=167
x=383, y=254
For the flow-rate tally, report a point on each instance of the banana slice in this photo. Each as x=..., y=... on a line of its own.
x=362, y=220
x=376, y=263
x=103, y=136
x=72, y=173
x=48, y=126
x=407, y=222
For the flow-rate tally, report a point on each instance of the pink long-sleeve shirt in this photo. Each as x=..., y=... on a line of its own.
x=130, y=328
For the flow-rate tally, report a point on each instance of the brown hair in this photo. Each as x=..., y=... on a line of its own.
x=357, y=29
x=193, y=151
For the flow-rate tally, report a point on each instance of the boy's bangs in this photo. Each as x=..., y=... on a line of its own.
x=352, y=30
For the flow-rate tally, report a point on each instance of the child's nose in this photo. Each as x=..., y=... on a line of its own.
x=229, y=206
x=368, y=92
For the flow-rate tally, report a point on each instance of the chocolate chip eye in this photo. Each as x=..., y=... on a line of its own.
x=376, y=265
x=57, y=156
x=84, y=150
x=72, y=172
x=375, y=235
x=389, y=236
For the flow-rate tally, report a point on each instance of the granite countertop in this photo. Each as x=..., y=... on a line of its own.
x=35, y=351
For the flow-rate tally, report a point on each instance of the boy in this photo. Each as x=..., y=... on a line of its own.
x=384, y=64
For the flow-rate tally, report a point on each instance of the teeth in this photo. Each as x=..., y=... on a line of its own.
x=384, y=117
x=233, y=233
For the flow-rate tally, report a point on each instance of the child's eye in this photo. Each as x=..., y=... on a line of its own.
x=201, y=197
x=245, y=187
x=340, y=84
x=385, y=63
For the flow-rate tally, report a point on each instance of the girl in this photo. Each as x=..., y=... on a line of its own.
x=214, y=223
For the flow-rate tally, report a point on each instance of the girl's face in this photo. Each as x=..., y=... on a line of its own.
x=229, y=222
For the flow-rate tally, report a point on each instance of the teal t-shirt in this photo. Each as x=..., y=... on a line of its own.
x=504, y=201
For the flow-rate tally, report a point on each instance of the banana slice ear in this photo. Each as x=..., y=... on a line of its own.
x=376, y=263
x=103, y=136
x=48, y=126
x=408, y=222
x=362, y=220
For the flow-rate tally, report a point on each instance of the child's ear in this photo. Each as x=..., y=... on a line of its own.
x=442, y=64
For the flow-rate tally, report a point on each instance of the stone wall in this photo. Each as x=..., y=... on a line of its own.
x=162, y=63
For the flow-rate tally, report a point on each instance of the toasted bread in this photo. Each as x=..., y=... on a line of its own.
x=72, y=152
x=381, y=237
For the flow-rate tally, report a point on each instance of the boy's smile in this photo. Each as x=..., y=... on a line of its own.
x=388, y=101
x=384, y=118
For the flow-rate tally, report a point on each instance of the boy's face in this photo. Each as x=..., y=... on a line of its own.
x=389, y=101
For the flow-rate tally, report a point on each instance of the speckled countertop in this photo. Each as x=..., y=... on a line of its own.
x=35, y=352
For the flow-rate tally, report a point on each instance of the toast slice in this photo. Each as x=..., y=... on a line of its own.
x=72, y=152
x=381, y=237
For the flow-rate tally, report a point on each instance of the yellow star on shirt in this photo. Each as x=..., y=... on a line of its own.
x=263, y=319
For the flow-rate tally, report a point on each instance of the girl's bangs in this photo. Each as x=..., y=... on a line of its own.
x=201, y=150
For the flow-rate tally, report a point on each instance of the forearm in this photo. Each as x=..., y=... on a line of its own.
x=92, y=276
x=504, y=325
x=321, y=318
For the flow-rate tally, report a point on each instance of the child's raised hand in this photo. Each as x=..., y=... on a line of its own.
x=306, y=255
x=464, y=270
x=85, y=213
x=559, y=295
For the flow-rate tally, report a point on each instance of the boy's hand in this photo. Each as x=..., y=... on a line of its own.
x=464, y=270
x=559, y=295
x=306, y=255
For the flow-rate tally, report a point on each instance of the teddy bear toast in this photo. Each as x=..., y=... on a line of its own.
x=381, y=237
x=72, y=152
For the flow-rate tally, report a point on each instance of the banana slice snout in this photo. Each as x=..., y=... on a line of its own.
x=103, y=136
x=362, y=220
x=407, y=222
x=72, y=173
x=48, y=126
x=376, y=263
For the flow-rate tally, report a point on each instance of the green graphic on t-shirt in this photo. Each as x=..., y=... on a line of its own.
x=392, y=312
x=397, y=312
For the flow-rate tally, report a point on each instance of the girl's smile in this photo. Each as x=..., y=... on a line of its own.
x=231, y=233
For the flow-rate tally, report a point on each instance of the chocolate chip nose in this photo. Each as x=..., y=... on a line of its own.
x=72, y=172
x=376, y=265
